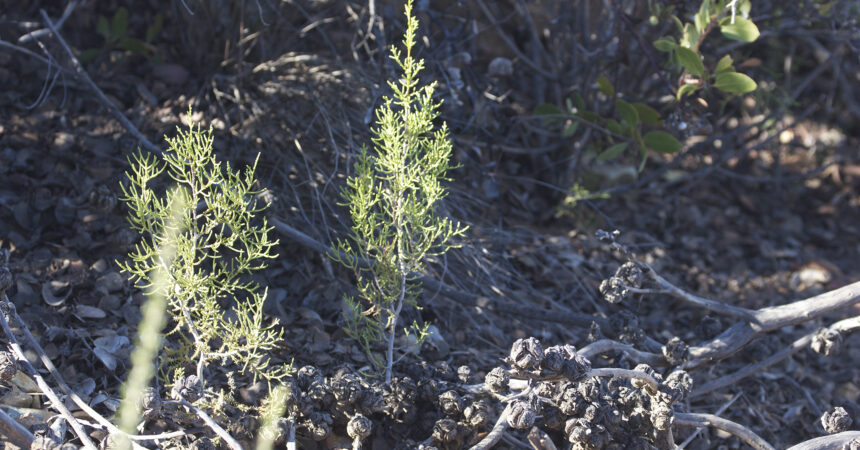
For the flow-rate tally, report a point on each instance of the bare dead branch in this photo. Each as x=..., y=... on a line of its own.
x=45, y=388
x=607, y=345
x=711, y=305
x=99, y=94
x=14, y=431
x=221, y=432
x=801, y=343
x=832, y=442
x=710, y=420
x=771, y=318
x=44, y=31
x=495, y=434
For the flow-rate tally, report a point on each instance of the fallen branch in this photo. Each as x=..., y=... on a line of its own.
x=64, y=387
x=772, y=318
x=607, y=345
x=801, y=343
x=14, y=431
x=31, y=371
x=832, y=442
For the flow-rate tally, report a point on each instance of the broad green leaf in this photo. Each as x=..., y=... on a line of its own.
x=614, y=126
x=725, y=64
x=648, y=114
x=119, y=24
x=627, y=112
x=153, y=30
x=570, y=130
x=744, y=7
x=743, y=30
x=690, y=37
x=103, y=28
x=678, y=24
x=605, y=86
x=691, y=61
x=687, y=89
x=612, y=152
x=734, y=82
x=549, y=114
x=590, y=116
x=662, y=142
x=705, y=8
x=547, y=109
x=665, y=44
x=89, y=55
x=133, y=45
x=578, y=101
x=703, y=17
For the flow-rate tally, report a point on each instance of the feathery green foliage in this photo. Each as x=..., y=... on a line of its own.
x=218, y=242
x=392, y=201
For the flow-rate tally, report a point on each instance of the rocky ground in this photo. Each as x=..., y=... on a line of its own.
x=760, y=208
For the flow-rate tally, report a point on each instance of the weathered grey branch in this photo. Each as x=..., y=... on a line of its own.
x=495, y=434
x=14, y=431
x=43, y=386
x=832, y=442
x=710, y=420
x=607, y=345
x=801, y=343
x=772, y=318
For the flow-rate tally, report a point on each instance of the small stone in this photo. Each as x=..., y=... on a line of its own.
x=836, y=421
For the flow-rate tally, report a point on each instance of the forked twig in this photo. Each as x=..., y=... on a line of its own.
x=221, y=432
x=99, y=94
x=802, y=342
x=31, y=371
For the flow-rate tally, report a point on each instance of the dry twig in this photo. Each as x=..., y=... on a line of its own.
x=99, y=94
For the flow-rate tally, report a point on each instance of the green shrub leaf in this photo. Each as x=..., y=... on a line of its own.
x=119, y=24
x=612, y=152
x=743, y=30
x=661, y=142
x=570, y=130
x=627, y=112
x=605, y=86
x=665, y=44
x=687, y=89
x=691, y=61
x=549, y=114
x=734, y=82
x=725, y=64
x=648, y=114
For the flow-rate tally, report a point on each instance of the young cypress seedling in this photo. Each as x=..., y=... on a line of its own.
x=216, y=311
x=392, y=200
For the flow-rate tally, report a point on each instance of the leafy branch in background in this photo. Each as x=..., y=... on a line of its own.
x=732, y=18
x=115, y=34
x=217, y=313
x=625, y=129
x=392, y=201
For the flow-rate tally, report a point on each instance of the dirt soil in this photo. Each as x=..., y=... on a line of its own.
x=762, y=207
